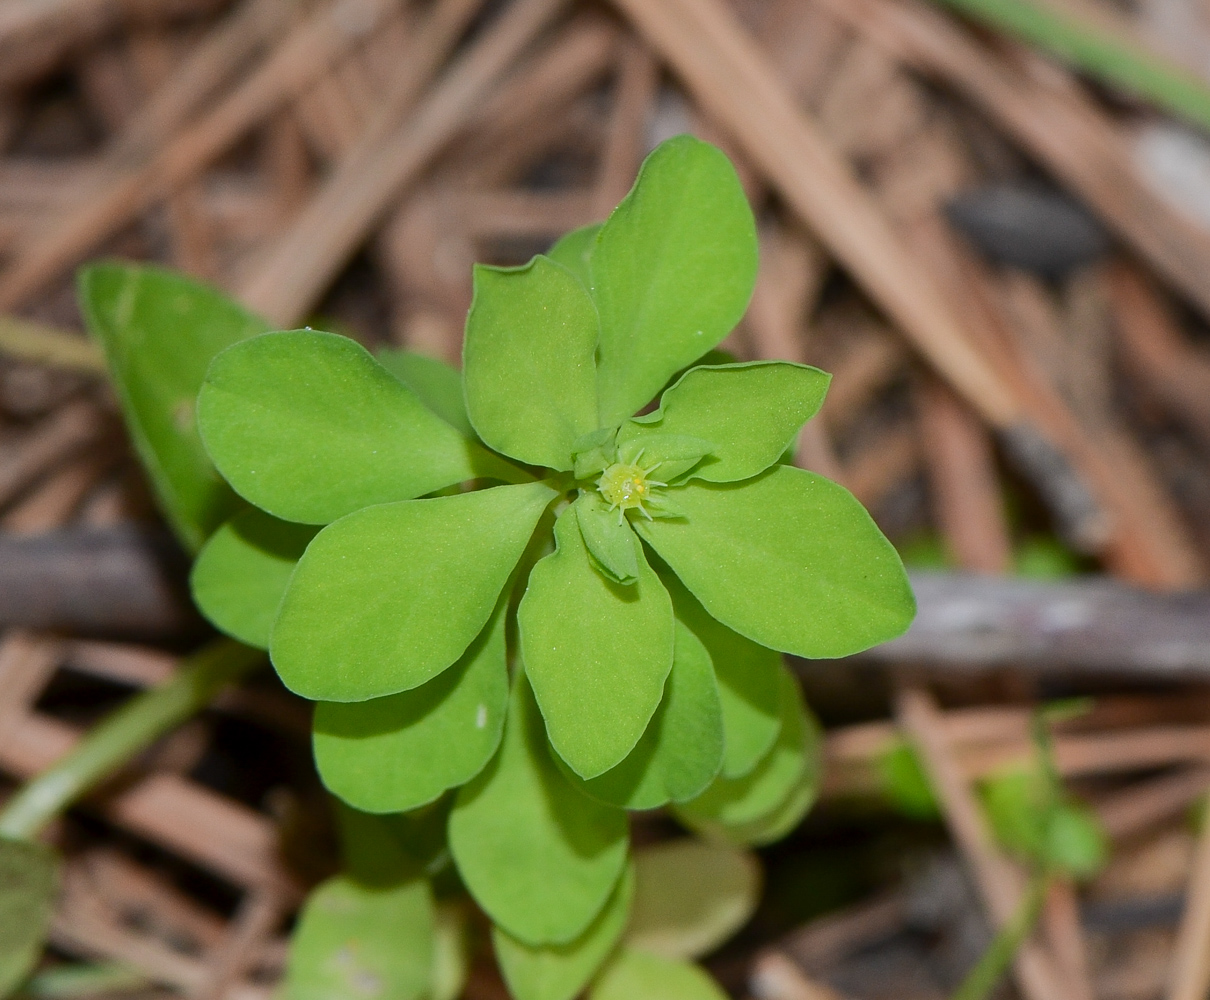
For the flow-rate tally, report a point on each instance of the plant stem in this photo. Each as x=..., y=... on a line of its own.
x=124, y=734
x=29, y=341
x=982, y=979
x=1097, y=50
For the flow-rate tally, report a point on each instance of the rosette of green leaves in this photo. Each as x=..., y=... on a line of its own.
x=397, y=532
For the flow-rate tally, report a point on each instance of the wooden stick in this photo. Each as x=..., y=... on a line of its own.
x=53, y=502
x=792, y=270
x=1059, y=126
x=1156, y=351
x=117, y=582
x=1146, y=804
x=29, y=341
x=259, y=913
x=300, y=58
x=298, y=269
x=1060, y=926
x=60, y=435
x=776, y=977
x=1190, y=968
x=965, y=488
x=634, y=92
x=729, y=75
x=999, y=883
x=878, y=468
x=223, y=836
x=26, y=664
x=1093, y=625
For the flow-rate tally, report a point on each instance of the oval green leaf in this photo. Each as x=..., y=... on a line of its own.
x=734, y=801
x=396, y=753
x=451, y=961
x=160, y=331
x=29, y=879
x=436, y=384
x=574, y=251
x=387, y=598
x=749, y=683
x=639, y=975
x=608, y=538
x=672, y=272
x=240, y=575
x=751, y=413
x=681, y=750
x=538, y=855
x=309, y=427
x=774, y=825
x=691, y=896
x=561, y=971
x=354, y=940
x=597, y=653
x=789, y=559
x=529, y=361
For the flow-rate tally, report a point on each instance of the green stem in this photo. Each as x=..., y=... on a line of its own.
x=124, y=734
x=982, y=979
x=1097, y=50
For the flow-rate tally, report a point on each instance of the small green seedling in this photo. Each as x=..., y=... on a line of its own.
x=1053, y=835
x=593, y=625
x=526, y=597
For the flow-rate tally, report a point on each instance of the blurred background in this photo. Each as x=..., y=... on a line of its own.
x=988, y=219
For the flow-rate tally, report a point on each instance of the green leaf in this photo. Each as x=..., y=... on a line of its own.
x=1017, y=803
x=436, y=384
x=691, y=897
x=574, y=251
x=159, y=331
x=751, y=412
x=1032, y=823
x=309, y=427
x=905, y=782
x=537, y=854
x=780, y=821
x=594, y=453
x=736, y=801
x=638, y=975
x=450, y=959
x=388, y=849
x=561, y=971
x=387, y=598
x=354, y=940
x=681, y=750
x=29, y=879
x=749, y=683
x=1076, y=842
x=240, y=575
x=608, y=538
x=528, y=361
x=597, y=653
x=672, y=272
x=666, y=456
x=396, y=753
x=789, y=559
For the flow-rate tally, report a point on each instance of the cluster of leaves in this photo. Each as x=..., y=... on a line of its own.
x=520, y=608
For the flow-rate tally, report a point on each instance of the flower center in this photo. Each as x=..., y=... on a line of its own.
x=626, y=486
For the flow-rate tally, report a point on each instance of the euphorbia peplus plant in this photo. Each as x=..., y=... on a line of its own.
x=554, y=601
x=523, y=601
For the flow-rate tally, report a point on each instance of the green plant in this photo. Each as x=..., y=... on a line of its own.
x=520, y=608
x=1043, y=826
